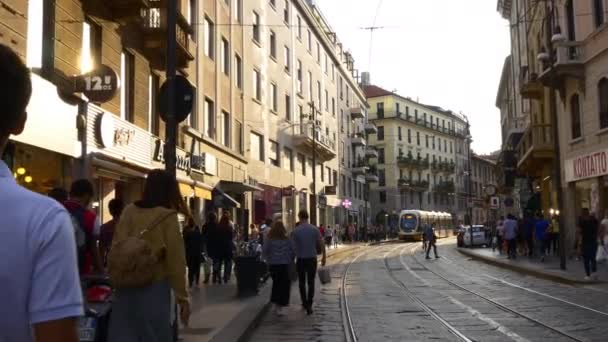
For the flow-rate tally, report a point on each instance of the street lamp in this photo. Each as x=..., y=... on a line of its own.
x=469, y=139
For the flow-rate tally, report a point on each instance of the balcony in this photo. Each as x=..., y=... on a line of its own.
x=413, y=163
x=371, y=176
x=444, y=187
x=326, y=147
x=513, y=129
x=413, y=185
x=370, y=128
x=447, y=167
x=358, y=139
x=529, y=85
x=360, y=168
x=569, y=63
x=154, y=28
x=356, y=113
x=435, y=167
x=371, y=152
x=536, y=148
x=115, y=10
x=420, y=122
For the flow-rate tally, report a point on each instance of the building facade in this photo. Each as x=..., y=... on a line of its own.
x=420, y=152
x=485, y=204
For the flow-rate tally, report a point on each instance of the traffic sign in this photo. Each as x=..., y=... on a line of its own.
x=184, y=98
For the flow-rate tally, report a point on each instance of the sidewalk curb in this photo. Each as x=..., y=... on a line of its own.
x=547, y=275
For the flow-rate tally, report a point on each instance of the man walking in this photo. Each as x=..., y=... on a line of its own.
x=588, y=232
x=541, y=232
x=510, y=234
x=308, y=242
x=529, y=230
x=430, y=238
x=41, y=295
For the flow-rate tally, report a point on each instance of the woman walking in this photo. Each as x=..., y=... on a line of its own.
x=193, y=243
x=279, y=253
x=143, y=313
x=221, y=246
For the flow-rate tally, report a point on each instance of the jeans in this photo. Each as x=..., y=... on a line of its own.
x=307, y=270
x=589, y=253
x=194, y=271
x=430, y=244
x=217, y=269
x=281, y=284
x=512, y=248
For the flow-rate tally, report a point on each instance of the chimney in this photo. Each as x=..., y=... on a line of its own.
x=365, y=78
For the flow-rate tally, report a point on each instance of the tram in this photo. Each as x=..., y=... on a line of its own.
x=413, y=222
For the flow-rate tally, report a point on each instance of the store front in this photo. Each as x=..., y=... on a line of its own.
x=45, y=155
x=267, y=203
x=585, y=175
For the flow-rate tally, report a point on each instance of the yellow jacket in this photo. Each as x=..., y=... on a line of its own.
x=165, y=238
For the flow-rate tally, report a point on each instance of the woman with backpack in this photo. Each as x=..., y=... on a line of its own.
x=147, y=263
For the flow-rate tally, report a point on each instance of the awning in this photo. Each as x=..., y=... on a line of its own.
x=196, y=188
x=237, y=187
x=186, y=190
x=118, y=168
x=202, y=193
x=223, y=200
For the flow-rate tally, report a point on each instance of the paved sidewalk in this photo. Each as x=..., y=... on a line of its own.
x=219, y=315
x=549, y=269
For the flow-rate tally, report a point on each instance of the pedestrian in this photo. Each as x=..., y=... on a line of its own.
x=541, y=230
x=143, y=313
x=193, y=243
x=220, y=237
x=529, y=228
x=425, y=242
x=510, y=235
x=588, y=229
x=431, y=239
x=58, y=194
x=279, y=254
x=115, y=206
x=86, y=226
x=328, y=236
x=500, y=230
x=322, y=230
x=41, y=295
x=307, y=242
x=209, y=243
x=336, y=235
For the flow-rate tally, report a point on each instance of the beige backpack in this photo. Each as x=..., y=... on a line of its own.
x=132, y=261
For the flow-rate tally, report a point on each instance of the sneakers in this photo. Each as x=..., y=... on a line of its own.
x=587, y=278
x=279, y=310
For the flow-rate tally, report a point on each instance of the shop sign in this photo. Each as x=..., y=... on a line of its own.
x=114, y=136
x=99, y=85
x=330, y=190
x=587, y=166
x=182, y=158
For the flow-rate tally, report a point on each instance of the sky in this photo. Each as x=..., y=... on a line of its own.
x=447, y=53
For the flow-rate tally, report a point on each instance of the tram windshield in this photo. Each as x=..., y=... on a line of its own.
x=409, y=222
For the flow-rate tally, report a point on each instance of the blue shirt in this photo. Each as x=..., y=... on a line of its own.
x=510, y=229
x=38, y=267
x=305, y=238
x=541, y=228
x=278, y=252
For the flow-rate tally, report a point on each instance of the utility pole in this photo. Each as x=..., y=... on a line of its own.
x=313, y=204
x=557, y=177
x=171, y=127
x=469, y=186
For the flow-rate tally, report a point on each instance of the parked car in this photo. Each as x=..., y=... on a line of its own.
x=480, y=237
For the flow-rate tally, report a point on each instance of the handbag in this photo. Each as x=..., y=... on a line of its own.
x=324, y=275
x=131, y=261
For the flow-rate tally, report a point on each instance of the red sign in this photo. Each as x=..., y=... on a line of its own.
x=587, y=166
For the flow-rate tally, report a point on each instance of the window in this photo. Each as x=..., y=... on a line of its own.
x=342, y=120
x=302, y=164
x=309, y=41
x=318, y=53
x=273, y=153
x=409, y=136
x=326, y=100
x=333, y=72
x=335, y=178
x=91, y=46
x=239, y=135
x=209, y=33
x=380, y=110
x=225, y=129
x=382, y=178
x=209, y=113
x=286, y=12
x=154, y=87
x=427, y=141
x=451, y=150
x=225, y=56
x=299, y=76
x=35, y=35
x=333, y=106
x=603, y=96
x=399, y=135
x=256, y=27
x=380, y=156
x=598, y=12
x=570, y=20
x=287, y=159
x=257, y=150
x=322, y=172
x=382, y=195
x=257, y=85
x=341, y=88
x=325, y=68
x=238, y=15
x=328, y=175
x=287, y=59
x=273, y=97
x=575, y=115
x=192, y=17
x=397, y=108
x=238, y=75
x=299, y=23
x=418, y=138
x=287, y=107
x=127, y=90
x=193, y=118
x=319, y=102
x=273, y=45
x=380, y=134
x=309, y=86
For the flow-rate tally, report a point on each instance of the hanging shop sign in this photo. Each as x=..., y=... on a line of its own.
x=112, y=134
x=99, y=85
x=585, y=166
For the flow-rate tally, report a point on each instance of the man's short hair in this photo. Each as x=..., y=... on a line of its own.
x=303, y=215
x=16, y=85
x=81, y=188
x=115, y=206
x=58, y=194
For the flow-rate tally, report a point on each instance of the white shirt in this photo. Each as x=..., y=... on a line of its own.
x=39, y=279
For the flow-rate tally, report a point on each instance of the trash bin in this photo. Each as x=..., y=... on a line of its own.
x=247, y=275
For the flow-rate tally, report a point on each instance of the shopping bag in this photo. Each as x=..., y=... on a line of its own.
x=324, y=275
x=601, y=255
